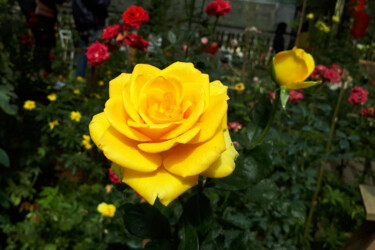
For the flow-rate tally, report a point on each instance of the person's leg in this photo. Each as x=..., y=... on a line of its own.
x=82, y=59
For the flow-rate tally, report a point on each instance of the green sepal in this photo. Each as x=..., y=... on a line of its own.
x=303, y=85
x=284, y=96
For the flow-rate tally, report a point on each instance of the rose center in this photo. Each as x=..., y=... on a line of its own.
x=166, y=109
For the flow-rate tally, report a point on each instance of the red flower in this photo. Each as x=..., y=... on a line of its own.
x=361, y=22
x=358, y=95
x=218, y=8
x=134, y=16
x=32, y=18
x=211, y=49
x=235, y=126
x=97, y=53
x=111, y=31
x=318, y=72
x=52, y=56
x=332, y=76
x=112, y=177
x=137, y=41
x=295, y=96
x=272, y=96
x=336, y=68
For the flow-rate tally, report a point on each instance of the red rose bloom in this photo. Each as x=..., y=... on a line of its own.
x=358, y=95
x=318, y=72
x=361, y=22
x=211, y=49
x=332, y=76
x=111, y=31
x=295, y=96
x=218, y=8
x=112, y=177
x=134, y=16
x=137, y=41
x=52, y=56
x=336, y=68
x=97, y=53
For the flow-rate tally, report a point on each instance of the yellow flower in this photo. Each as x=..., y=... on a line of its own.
x=60, y=77
x=75, y=116
x=108, y=188
x=239, y=87
x=53, y=124
x=292, y=67
x=79, y=78
x=52, y=97
x=336, y=19
x=101, y=83
x=165, y=128
x=107, y=210
x=322, y=26
x=29, y=105
x=310, y=16
x=76, y=91
x=86, y=142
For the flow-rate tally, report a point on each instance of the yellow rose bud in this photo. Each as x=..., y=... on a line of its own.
x=239, y=87
x=292, y=67
x=336, y=19
x=75, y=116
x=52, y=97
x=76, y=91
x=310, y=16
x=107, y=210
x=29, y=105
x=164, y=129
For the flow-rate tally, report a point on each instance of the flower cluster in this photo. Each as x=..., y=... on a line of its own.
x=86, y=142
x=358, y=95
x=107, y=210
x=368, y=112
x=331, y=74
x=295, y=96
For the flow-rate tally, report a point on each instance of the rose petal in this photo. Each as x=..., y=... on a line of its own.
x=125, y=153
x=117, y=117
x=116, y=86
x=225, y=165
x=98, y=125
x=166, y=145
x=192, y=159
x=302, y=85
x=159, y=183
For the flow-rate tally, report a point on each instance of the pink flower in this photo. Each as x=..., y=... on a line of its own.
x=137, y=41
x=336, y=68
x=236, y=144
x=368, y=112
x=332, y=76
x=318, y=72
x=112, y=177
x=358, y=95
x=204, y=40
x=97, y=53
x=111, y=31
x=218, y=8
x=295, y=96
x=235, y=126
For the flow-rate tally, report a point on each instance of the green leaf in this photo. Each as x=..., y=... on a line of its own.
x=172, y=37
x=50, y=247
x=259, y=118
x=197, y=209
x=264, y=192
x=4, y=159
x=249, y=170
x=188, y=237
x=117, y=170
x=237, y=218
x=284, y=96
x=145, y=221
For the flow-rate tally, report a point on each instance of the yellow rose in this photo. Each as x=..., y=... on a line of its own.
x=107, y=210
x=292, y=67
x=164, y=128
